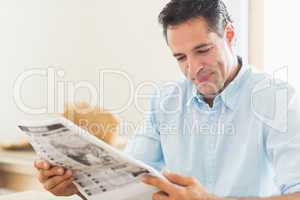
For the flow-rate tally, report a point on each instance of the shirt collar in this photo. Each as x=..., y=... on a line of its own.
x=230, y=94
x=194, y=95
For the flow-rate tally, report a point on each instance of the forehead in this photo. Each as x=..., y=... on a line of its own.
x=188, y=33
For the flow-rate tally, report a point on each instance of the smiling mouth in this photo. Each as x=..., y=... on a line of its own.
x=205, y=78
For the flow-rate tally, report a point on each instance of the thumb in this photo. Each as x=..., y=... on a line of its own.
x=41, y=164
x=180, y=179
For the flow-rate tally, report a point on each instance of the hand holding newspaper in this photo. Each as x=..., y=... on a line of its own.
x=100, y=171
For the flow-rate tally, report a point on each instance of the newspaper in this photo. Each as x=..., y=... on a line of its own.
x=100, y=171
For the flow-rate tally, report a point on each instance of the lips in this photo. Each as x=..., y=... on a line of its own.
x=204, y=77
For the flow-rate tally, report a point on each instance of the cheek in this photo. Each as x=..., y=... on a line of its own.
x=219, y=76
x=211, y=58
x=221, y=70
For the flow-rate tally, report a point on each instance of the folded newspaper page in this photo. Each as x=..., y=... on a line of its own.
x=100, y=171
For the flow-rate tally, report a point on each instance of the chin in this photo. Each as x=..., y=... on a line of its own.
x=209, y=95
x=208, y=89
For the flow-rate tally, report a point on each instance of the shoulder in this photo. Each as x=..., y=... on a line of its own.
x=272, y=100
x=266, y=87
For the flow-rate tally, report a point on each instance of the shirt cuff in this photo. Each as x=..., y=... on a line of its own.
x=291, y=188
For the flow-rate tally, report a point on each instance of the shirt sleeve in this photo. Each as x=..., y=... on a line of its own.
x=145, y=144
x=283, y=144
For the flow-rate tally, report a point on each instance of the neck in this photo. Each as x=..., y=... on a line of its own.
x=236, y=66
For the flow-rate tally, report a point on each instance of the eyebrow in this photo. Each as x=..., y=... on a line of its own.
x=199, y=46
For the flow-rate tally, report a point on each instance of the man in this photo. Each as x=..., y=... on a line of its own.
x=226, y=132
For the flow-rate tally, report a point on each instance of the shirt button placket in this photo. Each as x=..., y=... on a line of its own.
x=210, y=161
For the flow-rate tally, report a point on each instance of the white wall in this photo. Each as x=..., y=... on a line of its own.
x=81, y=37
x=282, y=40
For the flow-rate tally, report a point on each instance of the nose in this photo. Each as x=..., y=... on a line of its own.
x=194, y=65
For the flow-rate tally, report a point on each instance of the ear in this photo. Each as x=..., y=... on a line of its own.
x=230, y=34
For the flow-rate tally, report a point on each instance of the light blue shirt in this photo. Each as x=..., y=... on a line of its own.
x=246, y=145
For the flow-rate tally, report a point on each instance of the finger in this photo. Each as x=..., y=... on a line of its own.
x=41, y=164
x=163, y=185
x=60, y=189
x=44, y=175
x=180, y=179
x=56, y=180
x=54, y=171
x=160, y=196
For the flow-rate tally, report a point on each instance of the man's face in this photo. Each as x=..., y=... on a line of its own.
x=203, y=56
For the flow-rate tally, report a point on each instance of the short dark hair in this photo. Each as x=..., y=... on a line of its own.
x=178, y=11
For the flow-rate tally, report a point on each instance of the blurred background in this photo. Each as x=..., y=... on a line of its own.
x=52, y=49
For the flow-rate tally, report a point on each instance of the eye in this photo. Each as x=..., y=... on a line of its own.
x=180, y=58
x=203, y=51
